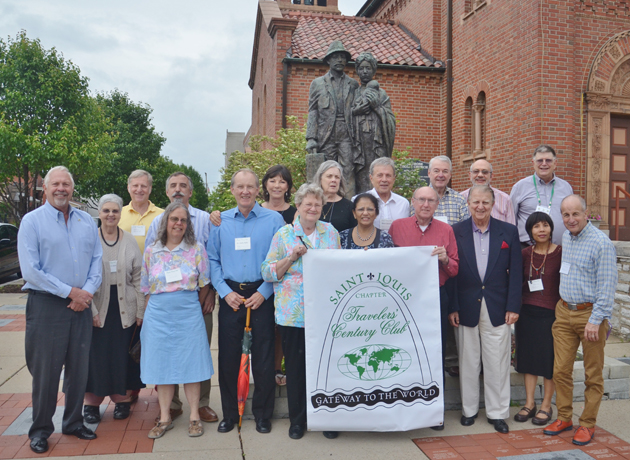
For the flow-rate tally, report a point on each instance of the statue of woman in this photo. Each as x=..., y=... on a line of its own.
x=374, y=122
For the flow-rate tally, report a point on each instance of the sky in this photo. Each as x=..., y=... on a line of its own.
x=189, y=60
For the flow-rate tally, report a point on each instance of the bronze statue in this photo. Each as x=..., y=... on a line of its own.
x=374, y=122
x=329, y=126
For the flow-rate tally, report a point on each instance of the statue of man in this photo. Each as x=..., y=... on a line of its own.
x=329, y=126
x=374, y=122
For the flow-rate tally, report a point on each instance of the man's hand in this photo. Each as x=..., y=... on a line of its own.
x=440, y=251
x=510, y=318
x=208, y=304
x=81, y=296
x=96, y=321
x=591, y=332
x=255, y=301
x=454, y=319
x=215, y=218
x=311, y=146
x=234, y=300
x=77, y=306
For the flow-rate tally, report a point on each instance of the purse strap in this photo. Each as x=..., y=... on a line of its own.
x=133, y=337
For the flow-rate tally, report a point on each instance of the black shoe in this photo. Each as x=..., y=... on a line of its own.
x=226, y=425
x=330, y=434
x=263, y=425
x=91, y=414
x=453, y=371
x=296, y=431
x=468, y=421
x=39, y=445
x=83, y=432
x=121, y=410
x=499, y=425
x=441, y=427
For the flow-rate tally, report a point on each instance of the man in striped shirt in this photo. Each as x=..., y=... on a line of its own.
x=588, y=279
x=481, y=174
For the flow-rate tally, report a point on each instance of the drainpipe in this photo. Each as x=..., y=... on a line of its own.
x=449, y=79
x=285, y=84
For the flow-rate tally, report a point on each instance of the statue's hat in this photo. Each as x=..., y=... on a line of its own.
x=336, y=47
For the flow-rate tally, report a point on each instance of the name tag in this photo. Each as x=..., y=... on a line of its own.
x=172, y=276
x=544, y=209
x=565, y=267
x=385, y=224
x=242, y=244
x=138, y=230
x=441, y=219
x=535, y=285
x=112, y=266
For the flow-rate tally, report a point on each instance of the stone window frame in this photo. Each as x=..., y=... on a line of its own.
x=471, y=7
x=475, y=127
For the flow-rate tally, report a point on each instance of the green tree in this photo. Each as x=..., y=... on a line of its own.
x=407, y=177
x=47, y=118
x=136, y=142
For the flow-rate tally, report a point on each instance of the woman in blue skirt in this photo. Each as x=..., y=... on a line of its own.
x=175, y=349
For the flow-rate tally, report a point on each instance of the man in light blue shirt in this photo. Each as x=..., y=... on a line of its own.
x=179, y=187
x=61, y=262
x=236, y=251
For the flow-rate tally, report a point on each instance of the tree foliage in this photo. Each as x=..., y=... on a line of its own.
x=407, y=177
x=47, y=118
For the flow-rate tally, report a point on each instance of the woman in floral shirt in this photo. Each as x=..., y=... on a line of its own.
x=283, y=267
x=175, y=349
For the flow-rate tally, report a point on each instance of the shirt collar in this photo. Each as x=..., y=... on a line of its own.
x=255, y=211
x=392, y=196
x=56, y=212
x=447, y=190
x=476, y=229
x=299, y=231
x=151, y=208
x=542, y=182
x=159, y=247
x=585, y=230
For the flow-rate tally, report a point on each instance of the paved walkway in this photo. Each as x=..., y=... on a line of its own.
x=119, y=438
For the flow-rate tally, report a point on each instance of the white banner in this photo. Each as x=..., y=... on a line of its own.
x=373, y=340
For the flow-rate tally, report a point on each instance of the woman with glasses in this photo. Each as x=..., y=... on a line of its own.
x=117, y=310
x=365, y=235
x=175, y=349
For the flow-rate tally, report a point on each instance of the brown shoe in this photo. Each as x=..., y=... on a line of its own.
x=174, y=414
x=542, y=417
x=583, y=435
x=195, y=428
x=160, y=428
x=528, y=413
x=206, y=414
x=558, y=427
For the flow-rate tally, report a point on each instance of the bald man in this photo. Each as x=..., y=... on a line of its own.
x=481, y=174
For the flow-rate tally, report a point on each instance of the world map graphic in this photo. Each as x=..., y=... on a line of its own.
x=374, y=362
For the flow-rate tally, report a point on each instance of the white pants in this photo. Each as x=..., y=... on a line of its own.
x=492, y=345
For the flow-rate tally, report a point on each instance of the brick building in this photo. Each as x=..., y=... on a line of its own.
x=526, y=72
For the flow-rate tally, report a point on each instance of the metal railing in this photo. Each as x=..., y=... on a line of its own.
x=617, y=190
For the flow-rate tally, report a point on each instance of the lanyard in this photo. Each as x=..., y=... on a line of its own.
x=553, y=186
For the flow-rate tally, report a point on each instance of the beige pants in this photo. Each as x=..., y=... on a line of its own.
x=492, y=346
x=568, y=332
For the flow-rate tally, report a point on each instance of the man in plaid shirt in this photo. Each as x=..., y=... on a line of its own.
x=588, y=279
x=452, y=207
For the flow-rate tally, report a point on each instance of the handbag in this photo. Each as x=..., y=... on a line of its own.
x=134, y=350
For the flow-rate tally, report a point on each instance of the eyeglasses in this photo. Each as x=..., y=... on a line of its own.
x=175, y=220
x=110, y=211
x=425, y=200
x=313, y=206
x=545, y=160
x=482, y=171
x=362, y=210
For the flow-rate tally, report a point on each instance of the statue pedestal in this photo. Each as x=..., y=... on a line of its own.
x=313, y=161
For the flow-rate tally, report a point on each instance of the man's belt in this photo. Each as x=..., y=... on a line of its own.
x=43, y=293
x=577, y=306
x=248, y=286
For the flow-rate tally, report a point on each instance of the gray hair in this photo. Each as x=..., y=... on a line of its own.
x=582, y=201
x=471, y=166
x=179, y=173
x=55, y=169
x=544, y=149
x=413, y=197
x=443, y=158
x=309, y=189
x=482, y=189
x=366, y=56
x=110, y=198
x=189, y=234
x=245, y=170
x=383, y=161
x=325, y=166
x=140, y=173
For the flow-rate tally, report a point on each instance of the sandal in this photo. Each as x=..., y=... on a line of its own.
x=529, y=413
x=281, y=379
x=160, y=428
x=543, y=421
x=195, y=428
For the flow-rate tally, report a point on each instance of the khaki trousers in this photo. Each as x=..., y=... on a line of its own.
x=491, y=345
x=204, y=397
x=568, y=332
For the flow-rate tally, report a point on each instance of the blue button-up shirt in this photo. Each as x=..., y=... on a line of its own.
x=592, y=273
x=55, y=256
x=243, y=266
x=200, y=221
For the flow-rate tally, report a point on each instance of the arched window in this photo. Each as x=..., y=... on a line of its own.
x=265, y=110
x=258, y=118
x=479, y=125
x=468, y=127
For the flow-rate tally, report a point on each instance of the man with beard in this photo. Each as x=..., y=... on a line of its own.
x=179, y=187
x=60, y=258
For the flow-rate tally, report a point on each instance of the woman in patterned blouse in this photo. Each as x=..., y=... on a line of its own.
x=175, y=349
x=365, y=235
x=283, y=267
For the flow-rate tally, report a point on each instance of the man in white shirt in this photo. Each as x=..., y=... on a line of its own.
x=391, y=206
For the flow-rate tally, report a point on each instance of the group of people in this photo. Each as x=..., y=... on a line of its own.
x=503, y=260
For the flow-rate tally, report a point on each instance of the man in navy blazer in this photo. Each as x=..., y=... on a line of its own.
x=485, y=302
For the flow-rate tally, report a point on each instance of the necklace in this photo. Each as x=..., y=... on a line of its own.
x=365, y=239
x=329, y=212
x=104, y=241
x=542, y=266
